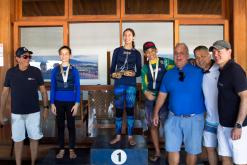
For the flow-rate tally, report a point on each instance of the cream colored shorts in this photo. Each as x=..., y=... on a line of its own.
x=232, y=148
x=29, y=123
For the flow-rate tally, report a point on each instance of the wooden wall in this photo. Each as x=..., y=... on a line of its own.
x=240, y=32
x=237, y=20
x=6, y=38
x=236, y=14
x=6, y=13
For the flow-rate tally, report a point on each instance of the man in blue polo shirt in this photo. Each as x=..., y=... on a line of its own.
x=185, y=121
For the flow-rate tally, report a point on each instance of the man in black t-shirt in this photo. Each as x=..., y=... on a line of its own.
x=24, y=81
x=232, y=106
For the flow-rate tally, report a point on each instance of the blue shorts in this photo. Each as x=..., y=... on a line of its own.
x=149, y=107
x=188, y=130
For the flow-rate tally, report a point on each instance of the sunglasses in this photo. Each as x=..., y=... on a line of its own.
x=26, y=57
x=181, y=76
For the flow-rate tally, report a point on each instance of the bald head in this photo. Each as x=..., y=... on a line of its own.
x=181, y=55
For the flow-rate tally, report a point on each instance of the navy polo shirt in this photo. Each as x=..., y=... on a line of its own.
x=24, y=87
x=185, y=97
x=232, y=80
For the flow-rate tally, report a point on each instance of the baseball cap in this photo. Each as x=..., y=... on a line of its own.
x=22, y=50
x=148, y=45
x=220, y=44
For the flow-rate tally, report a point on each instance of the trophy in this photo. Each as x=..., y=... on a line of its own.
x=117, y=75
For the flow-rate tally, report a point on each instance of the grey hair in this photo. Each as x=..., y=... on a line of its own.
x=184, y=45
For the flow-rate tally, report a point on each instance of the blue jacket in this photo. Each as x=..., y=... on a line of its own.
x=69, y=92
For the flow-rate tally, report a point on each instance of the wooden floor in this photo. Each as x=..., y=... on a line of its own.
x=46, y=148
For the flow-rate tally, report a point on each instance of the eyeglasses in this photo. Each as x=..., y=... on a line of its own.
x=181, y=76
x=26, y=57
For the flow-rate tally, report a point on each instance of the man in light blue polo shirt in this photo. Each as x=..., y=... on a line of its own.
x=185, y=121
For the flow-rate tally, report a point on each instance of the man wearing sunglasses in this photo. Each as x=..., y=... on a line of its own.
x=23, y=82
x=185, y=120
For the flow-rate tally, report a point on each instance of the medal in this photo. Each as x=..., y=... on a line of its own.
x=65, y=74
x=154, y=73
x=65, y=85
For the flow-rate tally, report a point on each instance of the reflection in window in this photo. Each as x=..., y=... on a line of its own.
x=44, y=42
x=43, y=8
x=197, y=35
x=147, y=7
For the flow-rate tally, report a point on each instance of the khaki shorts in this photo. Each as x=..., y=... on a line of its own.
x=29, y=123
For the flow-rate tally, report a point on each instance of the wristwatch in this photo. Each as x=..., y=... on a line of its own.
x=237, y=125
x=47, y=107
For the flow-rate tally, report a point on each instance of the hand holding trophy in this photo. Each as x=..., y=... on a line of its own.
x=117, y=75
x=129, y=73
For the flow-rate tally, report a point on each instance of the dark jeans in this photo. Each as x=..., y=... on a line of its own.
x=64, y=110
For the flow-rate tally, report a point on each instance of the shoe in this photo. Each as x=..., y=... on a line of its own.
x=154, y=158
x=72, y=154
x=60, y=154
x=132, y=141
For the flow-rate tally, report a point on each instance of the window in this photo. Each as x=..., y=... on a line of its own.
x=95, y=7
x=44, y=42
x=32, y=8
x=147, y=7
x=90, y=43
x=195, y=35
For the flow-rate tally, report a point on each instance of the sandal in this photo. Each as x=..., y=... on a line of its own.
x=60, y=154
x=131, y=141
x=154, y=158
x=72, y=154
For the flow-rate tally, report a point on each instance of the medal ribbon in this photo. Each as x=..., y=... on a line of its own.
x=154, y=73
x=66, y=74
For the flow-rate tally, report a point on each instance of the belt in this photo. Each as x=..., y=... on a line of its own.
x=184, y=115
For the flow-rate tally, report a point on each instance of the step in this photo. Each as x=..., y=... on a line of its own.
x=103, y=153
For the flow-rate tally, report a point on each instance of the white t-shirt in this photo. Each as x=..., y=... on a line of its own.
x=210, y=91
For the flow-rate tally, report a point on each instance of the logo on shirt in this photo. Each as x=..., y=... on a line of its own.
x=30, y=78
x=220, y=84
